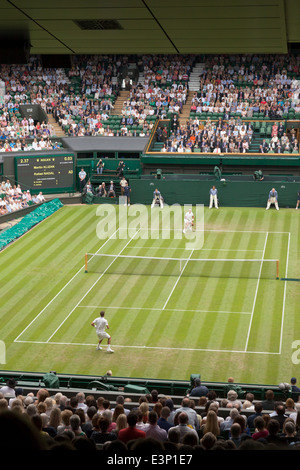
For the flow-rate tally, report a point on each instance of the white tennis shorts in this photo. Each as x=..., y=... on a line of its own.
x=103, y=335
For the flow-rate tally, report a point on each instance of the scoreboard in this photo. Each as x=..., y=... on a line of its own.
x=49, y=173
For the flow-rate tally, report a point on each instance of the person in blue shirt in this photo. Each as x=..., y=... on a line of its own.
x=298, y=200
x=127, y=191
x=213, y=197
x=157, y=197
x=273, y=199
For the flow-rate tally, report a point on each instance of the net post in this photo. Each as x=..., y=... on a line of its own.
x=86, y=263
x=277, y=269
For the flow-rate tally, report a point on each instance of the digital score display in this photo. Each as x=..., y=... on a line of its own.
x=45, y=172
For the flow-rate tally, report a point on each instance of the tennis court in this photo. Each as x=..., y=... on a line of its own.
x=192, y=294
x=171, y=310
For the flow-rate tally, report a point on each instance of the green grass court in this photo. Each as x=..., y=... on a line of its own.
x=220, y=319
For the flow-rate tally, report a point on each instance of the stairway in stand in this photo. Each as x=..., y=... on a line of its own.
x=119, y=103
x=184, y=116
x=58, y=131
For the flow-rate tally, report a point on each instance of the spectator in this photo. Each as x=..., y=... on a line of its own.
x=258, y=412
x=232, y=398
x=260, y=430
x=227, y=423
x=65, y=418
x=37, y=422
x=290, y=406
x=100, y=434
x=249, y=398
x=142, y=423
x=295, y=390
x=144, y=409
x=192, y=415
x=111, y=190
x=121, y=423
x=242, y=421
x=101, y=191
x=208, y=441
x=273, y=428
x=81, y=401
x=289, y=434
x=155, y=431
x=183, y=426
x=87, y=425
x=75, y=424
x=9, y=388
x=131, y=432
x=269, y=402
x=46, y=425
x=163, y=420
x=211, y=424
x=199, y=390
x=280, y=415
x=235, y=434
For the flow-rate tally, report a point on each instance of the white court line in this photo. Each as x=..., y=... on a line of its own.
x=284, y=292
x=178, y=279
x=62, y=289
x=93, y=285
x=160, y=309
x=156, y=347
x=256, y=291
x=149, y=229
x=186, y=249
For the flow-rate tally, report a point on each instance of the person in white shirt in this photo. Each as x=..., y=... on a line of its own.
x=40, y=197
x=101, y=325
x=9, y=388
x=188, y=221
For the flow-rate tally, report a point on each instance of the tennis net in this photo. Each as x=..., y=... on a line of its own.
x=190, y=267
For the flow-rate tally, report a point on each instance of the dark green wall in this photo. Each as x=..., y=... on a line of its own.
x=235, y=194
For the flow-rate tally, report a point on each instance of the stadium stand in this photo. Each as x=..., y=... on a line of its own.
x=13, y=198
x=152, y=405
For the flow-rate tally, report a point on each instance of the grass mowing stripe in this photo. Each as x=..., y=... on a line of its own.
x=93, y=285
x=70, y=280
x=40, y=244
x=63, y=249
x=31, y=264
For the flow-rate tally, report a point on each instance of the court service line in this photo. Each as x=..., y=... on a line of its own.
x=175, y=229
x=160, y=309
x=186, y=249
x=256, y=291
x=93, y=285
x=178, y=279
x=61, y=290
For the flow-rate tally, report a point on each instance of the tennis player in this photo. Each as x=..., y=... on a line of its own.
x=188, y=221
x=101, y=325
